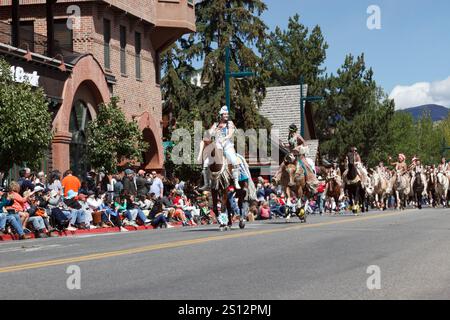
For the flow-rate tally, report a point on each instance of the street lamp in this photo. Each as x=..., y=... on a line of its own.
x=228, y=75
x=302, y=102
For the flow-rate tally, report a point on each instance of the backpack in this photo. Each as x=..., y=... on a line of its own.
x=59, y=220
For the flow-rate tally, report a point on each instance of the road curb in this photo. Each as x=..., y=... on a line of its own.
x=6, y=238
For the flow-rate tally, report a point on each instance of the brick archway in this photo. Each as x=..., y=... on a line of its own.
x=87, y=82
x=154, y=157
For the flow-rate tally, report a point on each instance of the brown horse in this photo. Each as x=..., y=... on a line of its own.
x=334, y=190
x=221, y=179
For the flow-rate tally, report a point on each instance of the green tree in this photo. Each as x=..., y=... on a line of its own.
x=356, y=113
x=112, y=139
x=178, y=92
x=25, y=122
x=402, y=135
x=237, y=24
x=444, y=129
x=428, y=140
x=289, y=54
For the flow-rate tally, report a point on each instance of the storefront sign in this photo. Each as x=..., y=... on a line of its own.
x=19, y=75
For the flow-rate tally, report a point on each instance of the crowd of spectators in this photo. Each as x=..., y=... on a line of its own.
x=42, y=204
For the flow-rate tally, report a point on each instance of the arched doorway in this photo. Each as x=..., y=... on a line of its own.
x=79, y=120
x=151, y=156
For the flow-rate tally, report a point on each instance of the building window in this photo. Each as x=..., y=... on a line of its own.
x=106, y=43
x=63, y=37
x=138, y=48
x=26, y=35
x=123, y=52
x=79, y=120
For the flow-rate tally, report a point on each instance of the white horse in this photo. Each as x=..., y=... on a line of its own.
x=379, y=187
x=442, y=186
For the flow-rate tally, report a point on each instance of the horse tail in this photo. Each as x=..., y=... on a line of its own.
x=251, y=186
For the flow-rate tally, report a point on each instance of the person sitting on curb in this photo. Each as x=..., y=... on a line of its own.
x=133, y=212
x=78, y=216
x=157, y=216
x=10, y=218
x=19, y=204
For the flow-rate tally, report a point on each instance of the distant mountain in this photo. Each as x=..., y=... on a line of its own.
x=437, y=112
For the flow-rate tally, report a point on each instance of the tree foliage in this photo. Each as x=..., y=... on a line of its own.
x=237, y=24
x=355, y=113
x=112, y=139
x=289, y=54
x=25, y=122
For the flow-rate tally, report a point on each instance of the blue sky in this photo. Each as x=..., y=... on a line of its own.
x=410, y=54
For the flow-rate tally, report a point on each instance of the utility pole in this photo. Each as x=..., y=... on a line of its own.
x=229, y=75
x=303, y=100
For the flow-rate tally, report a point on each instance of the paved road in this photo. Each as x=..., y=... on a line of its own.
x=324, y=259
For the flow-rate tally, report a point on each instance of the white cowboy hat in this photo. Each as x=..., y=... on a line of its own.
x=223, y=110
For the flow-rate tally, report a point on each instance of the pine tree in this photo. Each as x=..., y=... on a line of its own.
x=355, y=113
x=237, y=24
x=289, y=54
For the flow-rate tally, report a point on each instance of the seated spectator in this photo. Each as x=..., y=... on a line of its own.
x=275, y=206
x=77, y=214
x=25, y=181
x=133, y=212
x=39, y=219
x=41, y=180
x=54, y=183
x=180, y=214
x=260, y=193
x=145, y=204
x=157, y=216
x=19, y=205
x=70, y=182
x=264, y=212
x=84, y=188
x=88, y=218
x=10, y=218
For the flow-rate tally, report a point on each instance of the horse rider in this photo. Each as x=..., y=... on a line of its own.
x=443, y=166
x=413, y=163
x=298, y=149
x=222, y=132
x=416, y=167
x=359, y=165
x=400, y=165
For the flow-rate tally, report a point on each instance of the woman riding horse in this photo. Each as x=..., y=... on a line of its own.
x=298, y=149
x=218, y=155
x=223, y=132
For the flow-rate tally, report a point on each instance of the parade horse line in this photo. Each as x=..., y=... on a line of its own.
x=362, y=191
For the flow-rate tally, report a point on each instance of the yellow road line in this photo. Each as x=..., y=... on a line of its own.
x=182, y=243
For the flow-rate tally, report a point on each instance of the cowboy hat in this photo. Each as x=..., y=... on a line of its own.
x=223, y=110
x=402, y=157
x=38, y=189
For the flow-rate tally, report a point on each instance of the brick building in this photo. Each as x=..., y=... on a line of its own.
x=82, y=52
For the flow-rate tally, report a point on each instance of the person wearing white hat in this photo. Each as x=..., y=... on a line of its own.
x=223, y=132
